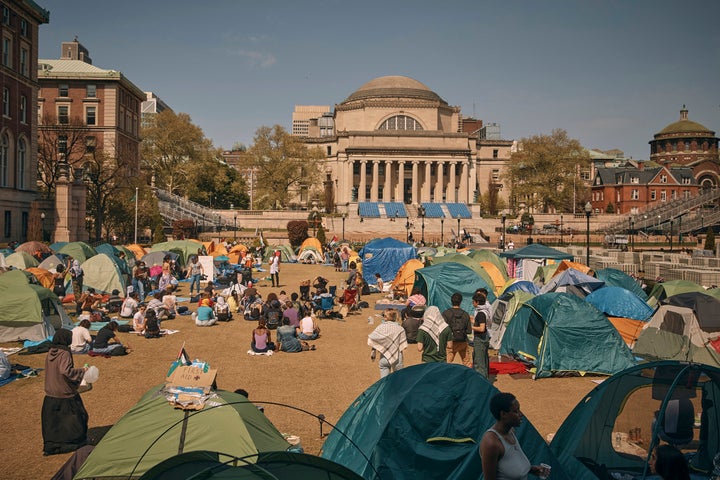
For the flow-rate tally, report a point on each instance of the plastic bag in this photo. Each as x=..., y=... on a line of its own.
x=91, y=375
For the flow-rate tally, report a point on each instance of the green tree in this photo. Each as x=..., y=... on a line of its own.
x=286, y=168
x=610, y=208
x=171, y=143
x=211, y=181
x=543, y=173
x=710, y=239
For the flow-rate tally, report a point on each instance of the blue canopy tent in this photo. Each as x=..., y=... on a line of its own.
x=384, y=256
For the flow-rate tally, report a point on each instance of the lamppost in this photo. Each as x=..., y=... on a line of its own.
x=442, y=231
x=407, y=230
x=588, y=212
x=42, y=226
x=314, y=217
x=344, y=215
x=632, y=233
x=561, y=230
x=502, y=235
x=421, y=214
x=671, y=234
x=235, y=228
x=458, y=230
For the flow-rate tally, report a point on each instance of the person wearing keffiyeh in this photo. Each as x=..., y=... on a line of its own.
x=389, y=339
x=434, y=336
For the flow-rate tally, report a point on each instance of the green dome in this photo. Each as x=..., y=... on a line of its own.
x=685, y=125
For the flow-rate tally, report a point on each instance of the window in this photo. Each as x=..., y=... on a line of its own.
x=63, y=90
x=63, y=114
x=496, y=153
x=6, y=102
x=663, y=196
x=90, y=115
x=4, y=152
x=381, y=168
x=496, y=175
x=7, y=48
x=400, y=122
x=663, y=178
x=24, y=61
x=653, y=195
x=635, y=194
x=686, y=181
x=62, y=144
x=21, y=163
x=23, y=109
x=673, y=194
x=24, y=30
x=8, y=223
x=329, y=150
x=91, y=91
x=634, y=179
x=5, y=15
x=686, y=194
x=687, y=146
x=90, y=143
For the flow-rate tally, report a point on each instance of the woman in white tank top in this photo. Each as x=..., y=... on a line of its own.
x=501, y=454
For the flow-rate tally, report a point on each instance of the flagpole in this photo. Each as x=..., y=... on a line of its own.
x=136, y=212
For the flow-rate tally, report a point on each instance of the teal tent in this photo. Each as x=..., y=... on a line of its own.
x=611, y=431
x=286, y=253
x=617, y=278
x=566, y=334
x=524, y=262
x=471, y=263
x=440, y=281
x=618, y=302
x=423, y=422
x=80, y=251
x=153, y=431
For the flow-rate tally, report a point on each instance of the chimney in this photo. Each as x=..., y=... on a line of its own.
x=641, y=166
x=684, y=113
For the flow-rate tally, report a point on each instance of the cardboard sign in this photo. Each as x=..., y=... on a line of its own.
x=192, y=377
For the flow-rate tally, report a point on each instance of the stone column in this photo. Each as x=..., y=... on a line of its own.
x=463, y=193
x=363, y=179
x=439, y=182
x=387, y=186
x=415, y=186
x=400, y=186
x=375, y=180
x=425, y=196
x=451, y=195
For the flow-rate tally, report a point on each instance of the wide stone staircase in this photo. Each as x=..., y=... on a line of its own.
x=173, y=207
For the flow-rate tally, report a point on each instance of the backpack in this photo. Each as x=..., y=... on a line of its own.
x=223, y=312
x=273, y=318
x=458, y=325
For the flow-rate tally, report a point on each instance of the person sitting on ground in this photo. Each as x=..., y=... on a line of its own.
x=412, y=318
x=261, y=340
x=416, y=298
x=308, y=328
x=107, y=343
x=129, y=306
x=283, y=297
x=114, y=302
x=204, y=316
x=287, y=337
x=379, y=283
x=233, y=302
x=81, y=338
x=152, y=324
x=157, y=304
x=273, y=314
x=169, y=300
x=292, y=314
x=90, y=300
x=222, y=310
x=139, y=318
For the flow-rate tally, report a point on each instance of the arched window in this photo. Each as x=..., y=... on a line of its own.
x=21, y=163
x=4, y=152
x=400, y=122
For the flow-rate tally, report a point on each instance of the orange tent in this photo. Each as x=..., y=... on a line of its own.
x=239, y=248
x=565, y=264
x=405, y=277
x=44, y=276
x=496, y=275
x=311, y=242
x=219, y=250
x=628, y=328
x=209, y=246
x=137, y=250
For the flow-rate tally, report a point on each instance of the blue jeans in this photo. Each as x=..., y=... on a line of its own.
x=195, y=279
x=303, y=336
x=344, y=264
x=139, y=288
x=386, y=367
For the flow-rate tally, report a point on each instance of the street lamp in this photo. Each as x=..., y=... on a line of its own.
x=421, y=214
x=588, y=212
x=42, y=226
x=442, y=231
x=632, y=233
x=344, y=215
x=407, y=230
x=235, y=228
x=561, y=229
x=502, y=235
x=671, y=234
x=458, y=230
x=314, y=217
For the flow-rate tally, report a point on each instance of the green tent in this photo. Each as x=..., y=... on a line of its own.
x=524, y=262
x=103, y=273
x=29, y=312
x=440, y=281
x=286, y=253
x=566, y=334
x=472, y=264
x=80, y=251
x=21, y=260
x=485, y=255
x=184, y=248
x=153, y=431
x=617, y=278
x=266, y=465
x=663, y=290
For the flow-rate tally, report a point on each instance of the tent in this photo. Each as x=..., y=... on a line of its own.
x=310, y=255
x=405, y=277
x=80, y=251
x=503, y=310
x=286, y=253
x=155, y=259
x=618, y=302
x=485, y=255
x=103, y=273
x=573, y=281
x=424, y=421
x=617, y=278
x=474, y=265
x=21, y=260
x=565, y=334
x=53, y=261
x=264, y=465
x=385, y=256
x=30, y=312
x=674, y=333
x=523, y=285
x=610, y=432
x=440, y=281
x=565, y=264
x=57, y=246
x=311, y=242
x=706, y=308
x=44, y=277
x=137, y=250
x=114, y=253
x=499, y=279
x=523, y=262
x=663, y=290
x=33, y=246
x=153, y=431
x=184, y=248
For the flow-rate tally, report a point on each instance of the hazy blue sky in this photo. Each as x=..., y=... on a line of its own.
x=611, y=73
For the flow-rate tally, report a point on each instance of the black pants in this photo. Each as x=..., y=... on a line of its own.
x=64, y=424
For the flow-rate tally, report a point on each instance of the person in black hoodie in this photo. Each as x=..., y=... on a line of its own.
x=64, y=418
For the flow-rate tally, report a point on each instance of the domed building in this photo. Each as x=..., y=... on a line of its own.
x=396, y=140
x=690, y=144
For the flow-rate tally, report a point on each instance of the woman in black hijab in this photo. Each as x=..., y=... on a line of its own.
x=64, y=418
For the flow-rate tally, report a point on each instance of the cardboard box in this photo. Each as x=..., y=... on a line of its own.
x=192, y=377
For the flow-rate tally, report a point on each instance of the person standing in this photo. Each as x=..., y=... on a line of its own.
x=77, y=275
x=434, y=337
x=195, y=271
x=64, y=418
x=275, y=269
x=459, y=322
x=139, y=276
x=389, y=339
x=500, y=452
x=481, y=339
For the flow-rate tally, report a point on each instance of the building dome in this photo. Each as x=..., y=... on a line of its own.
x=685, y=126
x=394, y=86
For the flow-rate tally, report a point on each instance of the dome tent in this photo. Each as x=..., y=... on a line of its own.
x=523, y=262
x=440, y=281
x=385, y=256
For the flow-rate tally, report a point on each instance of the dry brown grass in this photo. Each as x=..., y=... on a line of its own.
x=324, y=381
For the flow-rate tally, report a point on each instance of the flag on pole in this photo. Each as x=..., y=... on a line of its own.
x=183, y=357
x=334, y=241
x=262, y=240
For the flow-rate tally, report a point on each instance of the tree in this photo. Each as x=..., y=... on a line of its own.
x=57, y=142
x=285, y=167
x=211, y=181
x=170, y=145
x=543, y=173
x=710, y=240
x=297, y=232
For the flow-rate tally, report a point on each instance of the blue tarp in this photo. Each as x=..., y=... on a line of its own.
x=618, y=302
x=384, y=256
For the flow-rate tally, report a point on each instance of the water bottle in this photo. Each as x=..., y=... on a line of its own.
x=371, y=320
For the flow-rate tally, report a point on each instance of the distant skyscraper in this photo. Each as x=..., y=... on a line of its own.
x=153, y=105
x=303, y=114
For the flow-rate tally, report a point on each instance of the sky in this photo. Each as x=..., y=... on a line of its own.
x=611, y=73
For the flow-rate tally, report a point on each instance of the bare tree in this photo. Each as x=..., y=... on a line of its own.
x=60, y=141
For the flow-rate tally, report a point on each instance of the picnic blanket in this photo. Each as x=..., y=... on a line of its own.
x=96, y=326
x=20, y=371
x=507, y=367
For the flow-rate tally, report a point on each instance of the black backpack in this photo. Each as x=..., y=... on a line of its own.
x=458, y=325
x=273, y=318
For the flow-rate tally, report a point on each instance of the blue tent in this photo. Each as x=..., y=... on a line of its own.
x=440, y=281
x=384, y=256
x=566, y=334
x=522, y=285
x=573, y=281
x=425, y=421
x=616, y=278
x=618, y=302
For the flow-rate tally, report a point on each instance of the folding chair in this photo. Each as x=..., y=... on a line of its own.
x=349, y=302
x=324, y=305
